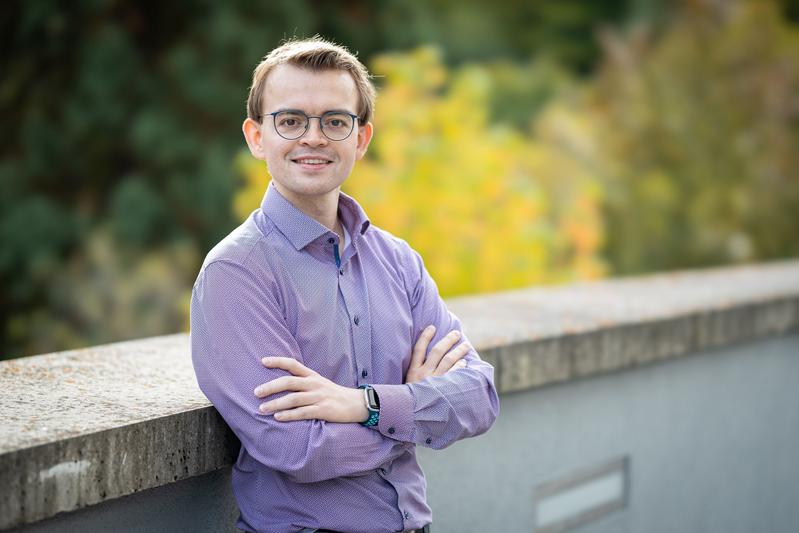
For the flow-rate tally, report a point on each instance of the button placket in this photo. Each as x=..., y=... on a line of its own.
x=348, y=288
x=358, y=310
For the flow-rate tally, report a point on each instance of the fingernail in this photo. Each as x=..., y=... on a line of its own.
x=431, y=328
x=262, y=408
x=265, y=360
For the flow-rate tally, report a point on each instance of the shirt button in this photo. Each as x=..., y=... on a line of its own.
x=357, y=320
x=364, y=373
x=341, y=271
x=428, y=441
x=406, y=514
x=391, y=430
x=331, y=240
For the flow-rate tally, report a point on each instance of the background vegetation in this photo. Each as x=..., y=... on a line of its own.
x=521, y=143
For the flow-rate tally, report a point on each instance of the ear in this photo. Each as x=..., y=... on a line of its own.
x=253, y=136
x=364, y=137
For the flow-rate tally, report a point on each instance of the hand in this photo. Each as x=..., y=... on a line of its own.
x=441, y=359
x=314, y=396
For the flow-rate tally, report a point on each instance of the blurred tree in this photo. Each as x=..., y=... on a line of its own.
x=698, y=134
x=113, y=113
x=102, y=286
x=471, y=30
x=122, y=117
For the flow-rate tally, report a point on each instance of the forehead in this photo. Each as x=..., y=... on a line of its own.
x=290, y=87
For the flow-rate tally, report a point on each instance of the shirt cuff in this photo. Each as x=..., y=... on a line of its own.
x=396, y=412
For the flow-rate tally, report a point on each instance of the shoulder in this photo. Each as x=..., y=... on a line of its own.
x=389, y=244
x=396, y=254
x=238, y=254
x=238, y=245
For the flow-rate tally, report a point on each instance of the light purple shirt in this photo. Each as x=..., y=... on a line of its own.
x=273, y=287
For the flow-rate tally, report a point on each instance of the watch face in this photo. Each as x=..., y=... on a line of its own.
x=374, y=401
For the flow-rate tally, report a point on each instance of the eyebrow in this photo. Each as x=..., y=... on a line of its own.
x=292, y=110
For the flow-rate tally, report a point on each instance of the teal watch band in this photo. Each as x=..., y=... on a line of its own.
x=372, y=406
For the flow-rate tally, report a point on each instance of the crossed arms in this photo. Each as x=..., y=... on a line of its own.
x=313, y=396
x=307, y=428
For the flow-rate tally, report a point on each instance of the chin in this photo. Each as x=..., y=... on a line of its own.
x=311, y=185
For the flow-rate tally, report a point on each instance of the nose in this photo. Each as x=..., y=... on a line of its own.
x=314, y=135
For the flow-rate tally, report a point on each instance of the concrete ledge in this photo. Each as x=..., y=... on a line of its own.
x=534, y=363
x=83, y=426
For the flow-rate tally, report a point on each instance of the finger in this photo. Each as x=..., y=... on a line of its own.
x=441, y=348
x=300, y=413
x=420, y=348
x=453, y=356
x=284, y=383
x=289, y=401
x=459, y=364
x=289, y=364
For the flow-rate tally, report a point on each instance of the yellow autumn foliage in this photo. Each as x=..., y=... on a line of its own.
x=487, y=206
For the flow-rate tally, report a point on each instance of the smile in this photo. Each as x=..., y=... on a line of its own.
x=311, y=161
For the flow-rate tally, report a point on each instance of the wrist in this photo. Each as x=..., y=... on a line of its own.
x=359, y=411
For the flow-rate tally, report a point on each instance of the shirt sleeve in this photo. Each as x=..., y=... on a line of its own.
x=438, y=410
x=236, y=320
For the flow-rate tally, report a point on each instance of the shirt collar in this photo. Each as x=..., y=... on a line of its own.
x=299, y=228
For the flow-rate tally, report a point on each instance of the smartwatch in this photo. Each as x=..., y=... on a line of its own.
x=372, y=405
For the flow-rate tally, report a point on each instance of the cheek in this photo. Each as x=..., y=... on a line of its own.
x=274, y=153
x=353, y=152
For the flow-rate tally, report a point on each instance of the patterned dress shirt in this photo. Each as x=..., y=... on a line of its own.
x=279, y=285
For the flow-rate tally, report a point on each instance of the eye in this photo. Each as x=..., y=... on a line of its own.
x=289, y=119
x=337, y=121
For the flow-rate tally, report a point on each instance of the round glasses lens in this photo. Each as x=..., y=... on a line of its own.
x=337, y=126
x=290, y=124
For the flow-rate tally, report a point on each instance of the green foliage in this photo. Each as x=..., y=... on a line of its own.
x=520, y=92
x=698, y=135
x=129, y=298
x=123, y=118
x=121, y=129
x=112, y=116
x=138, y=213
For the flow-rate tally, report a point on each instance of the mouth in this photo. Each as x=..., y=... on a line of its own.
x=315, y=162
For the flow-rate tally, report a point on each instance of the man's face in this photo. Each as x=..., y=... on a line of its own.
x=311, y=167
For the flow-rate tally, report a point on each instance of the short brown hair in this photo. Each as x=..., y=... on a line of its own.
x=314, y=54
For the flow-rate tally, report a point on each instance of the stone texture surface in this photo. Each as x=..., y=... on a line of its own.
x=548, y=335
x=87, y=425
x=83, y=426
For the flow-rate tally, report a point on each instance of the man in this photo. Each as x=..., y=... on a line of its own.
x=303, y=322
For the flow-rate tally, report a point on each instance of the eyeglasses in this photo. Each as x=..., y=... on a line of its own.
x=292, y=124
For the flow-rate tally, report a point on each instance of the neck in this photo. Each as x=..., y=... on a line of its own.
x=323, y=208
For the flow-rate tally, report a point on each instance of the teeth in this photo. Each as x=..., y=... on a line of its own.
x=312, y=161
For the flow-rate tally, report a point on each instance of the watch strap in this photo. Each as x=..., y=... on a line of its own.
x=374, y=414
